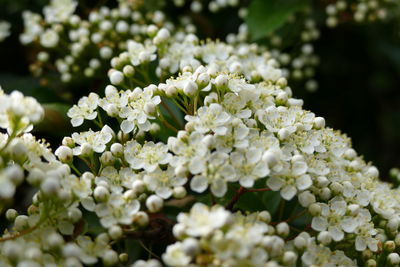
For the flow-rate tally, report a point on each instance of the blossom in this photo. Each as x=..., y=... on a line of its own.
x=147, y=157
x=84, y=110
x=59, y=10
x=163, y=182
x=212, y=118
x=94, y=140
x=202, y=220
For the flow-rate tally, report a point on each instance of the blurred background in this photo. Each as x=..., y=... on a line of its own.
x=358, y=76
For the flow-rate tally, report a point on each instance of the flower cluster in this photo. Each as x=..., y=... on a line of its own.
x=196, y=148
x=216, y=237
x=79, y=48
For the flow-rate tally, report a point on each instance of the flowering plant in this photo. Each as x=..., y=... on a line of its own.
x=195, y=154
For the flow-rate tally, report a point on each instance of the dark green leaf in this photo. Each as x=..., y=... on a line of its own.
x=265, y=16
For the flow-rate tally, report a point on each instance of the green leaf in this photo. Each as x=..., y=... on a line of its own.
x=266, y=16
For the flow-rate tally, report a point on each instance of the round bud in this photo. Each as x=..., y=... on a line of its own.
x=319, y=122
x=221, y=81
x=74, y=214
x=115, y=232
x=324, y=238
x=138, y=186
x=123, y=257
x=389, y=246
x=154, y=128
x=21, y=223
x=50, y=186
x=110, y=257
x=270, y=158
x=64, y=154
x=11, y=214
x=129, y=71
x=107, y=158
x=116, y=77
x=154, y=203
x=393, y=258
x=117, y=150
x=141, y=219
x=289, y=258
x=190, y=246
x=179, y=192
x=190, y=88
x=101, y=193
x=282, y=229
x=86, y=150
x=300, y=243
x=283, y=134
x=264, y=216
x=314, y=209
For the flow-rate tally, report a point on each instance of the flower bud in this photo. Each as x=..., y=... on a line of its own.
x=319, y=122
x=115, y=232
x=116, y=77
x=101, y=193
x=282, y=229
x=324, y=238
x=107, y=159
x=154, y=203
x=393, y=258
x=190, y=88
x=138, y=186
x=221, y=81
x=21, y=223
x=64, y=154
x=110, y=257
x=141, y=219
x=179, y=192
x=11, y=214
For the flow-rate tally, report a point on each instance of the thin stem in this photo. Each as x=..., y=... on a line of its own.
x=75, y=169
x=166, y=123
x=240, y=192
x=148, y=250
x=19, y=234
x=170, y=112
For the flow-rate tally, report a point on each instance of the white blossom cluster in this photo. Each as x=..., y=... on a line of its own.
x=216, y=237
x=243, y=133
x=184, y=131
x=80, y=48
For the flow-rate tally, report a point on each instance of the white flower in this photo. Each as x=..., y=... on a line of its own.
x=290, y=179
x=202, y=220
x=190, y=152
x=139, y=53
x=175, y=256
x=84, y=110
x=49, y=38
x=163, y=182
x=117, y=180
x=95, y=140
x=248, y=166
x=136, y=112
x=19, y=112
x=217, y=173
x=59, y=10
x=212, y=118
x=117, y=210
x=147, y=157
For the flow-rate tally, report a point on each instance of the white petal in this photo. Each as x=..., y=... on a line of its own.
x=199, y=183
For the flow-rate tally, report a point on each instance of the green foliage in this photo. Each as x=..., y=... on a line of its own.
x=266, y=16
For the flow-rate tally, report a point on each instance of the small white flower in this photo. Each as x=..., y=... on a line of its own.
x=147, y=157
x=84, y=110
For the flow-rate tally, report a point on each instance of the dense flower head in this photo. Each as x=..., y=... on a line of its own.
x=197, y=148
